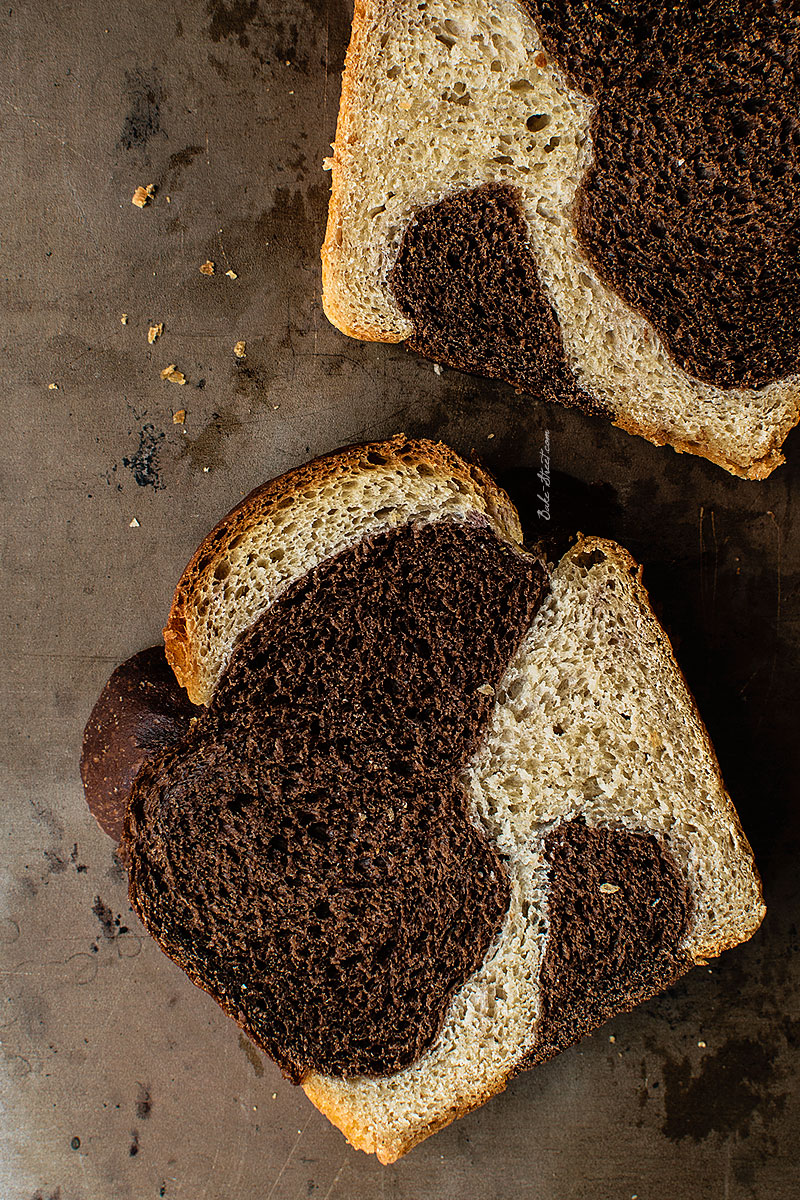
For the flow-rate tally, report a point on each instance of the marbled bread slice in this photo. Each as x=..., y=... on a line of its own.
x=444, y=811
x=592, y=202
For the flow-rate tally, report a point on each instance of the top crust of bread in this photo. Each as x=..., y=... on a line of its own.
x=234, y=576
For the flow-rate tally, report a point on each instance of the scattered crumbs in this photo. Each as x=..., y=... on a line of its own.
x=291, y=93
x=274, y=1095
x=611, y=1038
x=255, y=1108
x=173, y=375
x=437, y=370
x=274, y=406
x=608, y=888
x=169, y=199
x=124, y=319
x=207, y=268
x=134, y=524
x=240, y=349
x=701, y=1045
x=327, y=164
x=490, y=436
x=179, y=417
x=486, y=689
x=231, y=275
x=143, y=195
x=53, y=387
x=206, y=470
x=155, y=331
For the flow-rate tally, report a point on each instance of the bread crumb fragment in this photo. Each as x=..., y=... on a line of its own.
x=608, y=888
x=143, y=195
x=124, y=319
x=231, y=275
x=53, y=387
x=240, y=349
x=701, y=1045
x=154, y=332
x=485, y=689
x=134, y=524
x=179, y=417
x=173, y=375
x=207, y=268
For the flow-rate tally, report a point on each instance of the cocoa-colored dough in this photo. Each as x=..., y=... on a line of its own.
x=466, y=276
x=139, y=711
x=305, y=853
x=607, y=950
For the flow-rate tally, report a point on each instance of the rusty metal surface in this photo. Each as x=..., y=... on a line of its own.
x=119, y=1079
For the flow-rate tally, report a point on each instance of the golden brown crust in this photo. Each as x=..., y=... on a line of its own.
x=388, y=1149
x=350, y=460
x=332, y=304
x=758, y=468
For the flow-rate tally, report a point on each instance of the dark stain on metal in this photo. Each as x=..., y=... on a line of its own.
x=732, y=1085
x=252, y=1055
x=112, y=926
x=144, y=463
x=144, y=1104
x=143, y=121
x=55, y=863
x=184, y=158
x=231, y=20
x=205, y=451
x=81, y=868
x=105, y=917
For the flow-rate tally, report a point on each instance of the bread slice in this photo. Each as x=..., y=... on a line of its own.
x=588, y=826
x=444, y=98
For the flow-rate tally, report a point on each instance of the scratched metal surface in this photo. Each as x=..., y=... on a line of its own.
x=120, y=1080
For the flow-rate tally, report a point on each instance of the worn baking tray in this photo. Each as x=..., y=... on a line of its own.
x=119, y=1078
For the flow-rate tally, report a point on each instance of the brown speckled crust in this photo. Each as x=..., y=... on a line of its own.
x=466, y=276
x=689, y=208
x=305, y=854
x=139, y=711
x=257, y=506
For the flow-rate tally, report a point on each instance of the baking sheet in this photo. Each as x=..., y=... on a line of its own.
x=119, y=1079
